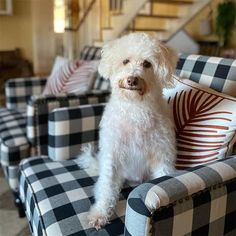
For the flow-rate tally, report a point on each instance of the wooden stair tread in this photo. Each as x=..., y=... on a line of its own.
x=159, y=16
x=117, y=13
x=145, y=29
x=107, y=28
x=181, y=2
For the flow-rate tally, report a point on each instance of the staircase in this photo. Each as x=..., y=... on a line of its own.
x=103, y=20
x=163, y=18
x=119, y=21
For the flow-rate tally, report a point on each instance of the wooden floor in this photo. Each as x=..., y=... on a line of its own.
x=10, y=223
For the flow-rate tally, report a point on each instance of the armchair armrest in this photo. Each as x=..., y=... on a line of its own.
x=199, y=200
x=38, y=110
x=19, y=90
x=70, y=128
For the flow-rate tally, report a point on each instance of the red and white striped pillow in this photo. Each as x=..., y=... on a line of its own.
x=73, y=77
x=205, y=123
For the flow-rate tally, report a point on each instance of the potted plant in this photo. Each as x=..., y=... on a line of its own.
x=225, y=22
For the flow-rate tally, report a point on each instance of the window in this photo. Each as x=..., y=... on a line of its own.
x=59, y=16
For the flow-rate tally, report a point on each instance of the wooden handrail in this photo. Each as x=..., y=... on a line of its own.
x=83, y=17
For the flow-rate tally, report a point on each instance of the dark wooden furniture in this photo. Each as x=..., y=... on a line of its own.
x=12, y=65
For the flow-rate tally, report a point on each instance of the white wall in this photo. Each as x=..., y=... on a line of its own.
x=183, y=43
x=43, y=37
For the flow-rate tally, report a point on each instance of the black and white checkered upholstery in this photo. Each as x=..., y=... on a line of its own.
x=101, y=84
x=23, y=135
x=69, y=128
x=58, y=195
x=214, y=72
x=90, y=53
x=13, y=143
x=41, y=106
x=200, y=201
x=19, y=90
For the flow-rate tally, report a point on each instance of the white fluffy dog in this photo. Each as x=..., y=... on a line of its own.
x=137, y=137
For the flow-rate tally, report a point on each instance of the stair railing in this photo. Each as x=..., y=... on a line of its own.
x=72, y=37
x=116, y=6
x=107, y=9
x=83, y=18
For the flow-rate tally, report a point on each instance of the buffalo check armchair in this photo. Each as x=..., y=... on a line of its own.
x=57, y=194
x=24, y=120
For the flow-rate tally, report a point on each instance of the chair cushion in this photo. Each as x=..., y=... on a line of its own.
x=101, y=83
x=19, y=90
x=13, y=143
x=12, y=135
x=90, y=53
x=214, y=72
x=205, y=122
x=58, y=195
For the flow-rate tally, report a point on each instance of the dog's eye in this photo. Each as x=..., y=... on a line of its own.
x=146, y=64
x=126, y=61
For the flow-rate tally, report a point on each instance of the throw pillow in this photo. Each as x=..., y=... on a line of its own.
x=59, y=62
x=73, y=77
x=205, y=123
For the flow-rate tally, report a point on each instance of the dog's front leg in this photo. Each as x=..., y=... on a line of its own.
x=164, y=164
x=106, y=193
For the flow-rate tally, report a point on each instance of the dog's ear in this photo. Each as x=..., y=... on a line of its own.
x=105, y=66
x=165, y=65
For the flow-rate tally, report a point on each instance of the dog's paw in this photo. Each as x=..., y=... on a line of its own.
x=97, y=219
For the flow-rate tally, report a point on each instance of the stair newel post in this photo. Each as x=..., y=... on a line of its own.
x=133, y=25
x=70, y=44
x=151, y=8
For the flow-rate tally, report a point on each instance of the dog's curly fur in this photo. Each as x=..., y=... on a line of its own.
x=137, y=138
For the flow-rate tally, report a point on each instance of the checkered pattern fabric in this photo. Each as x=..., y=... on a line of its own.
x=69, y=128
x=12, y=135
x=13, y=143
x=11, y=173
x=58, y=195
x=199, y=201
x=90, y=53
x=19, y=90
x=214, y=72
x=39, y=108
x=101, y=83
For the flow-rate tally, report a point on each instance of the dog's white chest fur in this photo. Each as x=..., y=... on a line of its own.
x=132, y=135
x=133, y=158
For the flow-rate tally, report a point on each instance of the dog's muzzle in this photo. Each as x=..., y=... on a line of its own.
x=133, y=83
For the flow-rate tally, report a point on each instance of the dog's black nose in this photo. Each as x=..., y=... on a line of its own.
x=132, y=81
